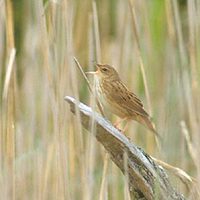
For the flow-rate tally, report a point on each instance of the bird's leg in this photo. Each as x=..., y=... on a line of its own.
x=116, y=124
x=126, y=124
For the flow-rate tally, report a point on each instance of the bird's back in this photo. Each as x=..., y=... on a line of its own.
x=118, y=95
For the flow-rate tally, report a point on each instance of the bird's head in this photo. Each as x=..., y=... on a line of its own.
x=105, y=71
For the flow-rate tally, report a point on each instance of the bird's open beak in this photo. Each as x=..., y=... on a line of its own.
x=96, y=72
x=99, y=65
x=92, y=72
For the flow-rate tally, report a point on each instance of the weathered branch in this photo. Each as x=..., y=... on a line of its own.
x=147, y=180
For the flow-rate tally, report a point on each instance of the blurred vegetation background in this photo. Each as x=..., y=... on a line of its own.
x=155, y=46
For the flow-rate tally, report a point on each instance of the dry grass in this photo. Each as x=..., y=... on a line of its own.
x=154, y=45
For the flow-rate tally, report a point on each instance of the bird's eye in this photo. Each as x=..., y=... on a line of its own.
x=104, y=69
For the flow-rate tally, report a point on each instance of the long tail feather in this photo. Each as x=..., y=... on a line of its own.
x=149, y=124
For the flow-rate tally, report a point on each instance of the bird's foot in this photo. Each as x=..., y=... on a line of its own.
x=118, y=128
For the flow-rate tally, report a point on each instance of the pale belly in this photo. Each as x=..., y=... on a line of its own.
x=107, y=104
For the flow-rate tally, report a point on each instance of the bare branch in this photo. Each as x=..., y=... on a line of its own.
x=147, y=180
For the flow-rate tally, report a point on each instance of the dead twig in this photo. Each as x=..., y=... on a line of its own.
x=89, y=86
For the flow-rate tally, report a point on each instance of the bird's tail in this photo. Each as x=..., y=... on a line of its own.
x=146, y=121
x=149, y=124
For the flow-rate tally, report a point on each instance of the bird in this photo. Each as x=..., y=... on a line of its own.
x=117, y=98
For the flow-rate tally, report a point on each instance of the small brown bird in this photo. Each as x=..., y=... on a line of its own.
x=117, y=98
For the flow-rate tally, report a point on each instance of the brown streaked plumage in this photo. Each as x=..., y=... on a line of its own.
x=116, y=97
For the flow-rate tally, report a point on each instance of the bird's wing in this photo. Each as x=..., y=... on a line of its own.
x=126, y=99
